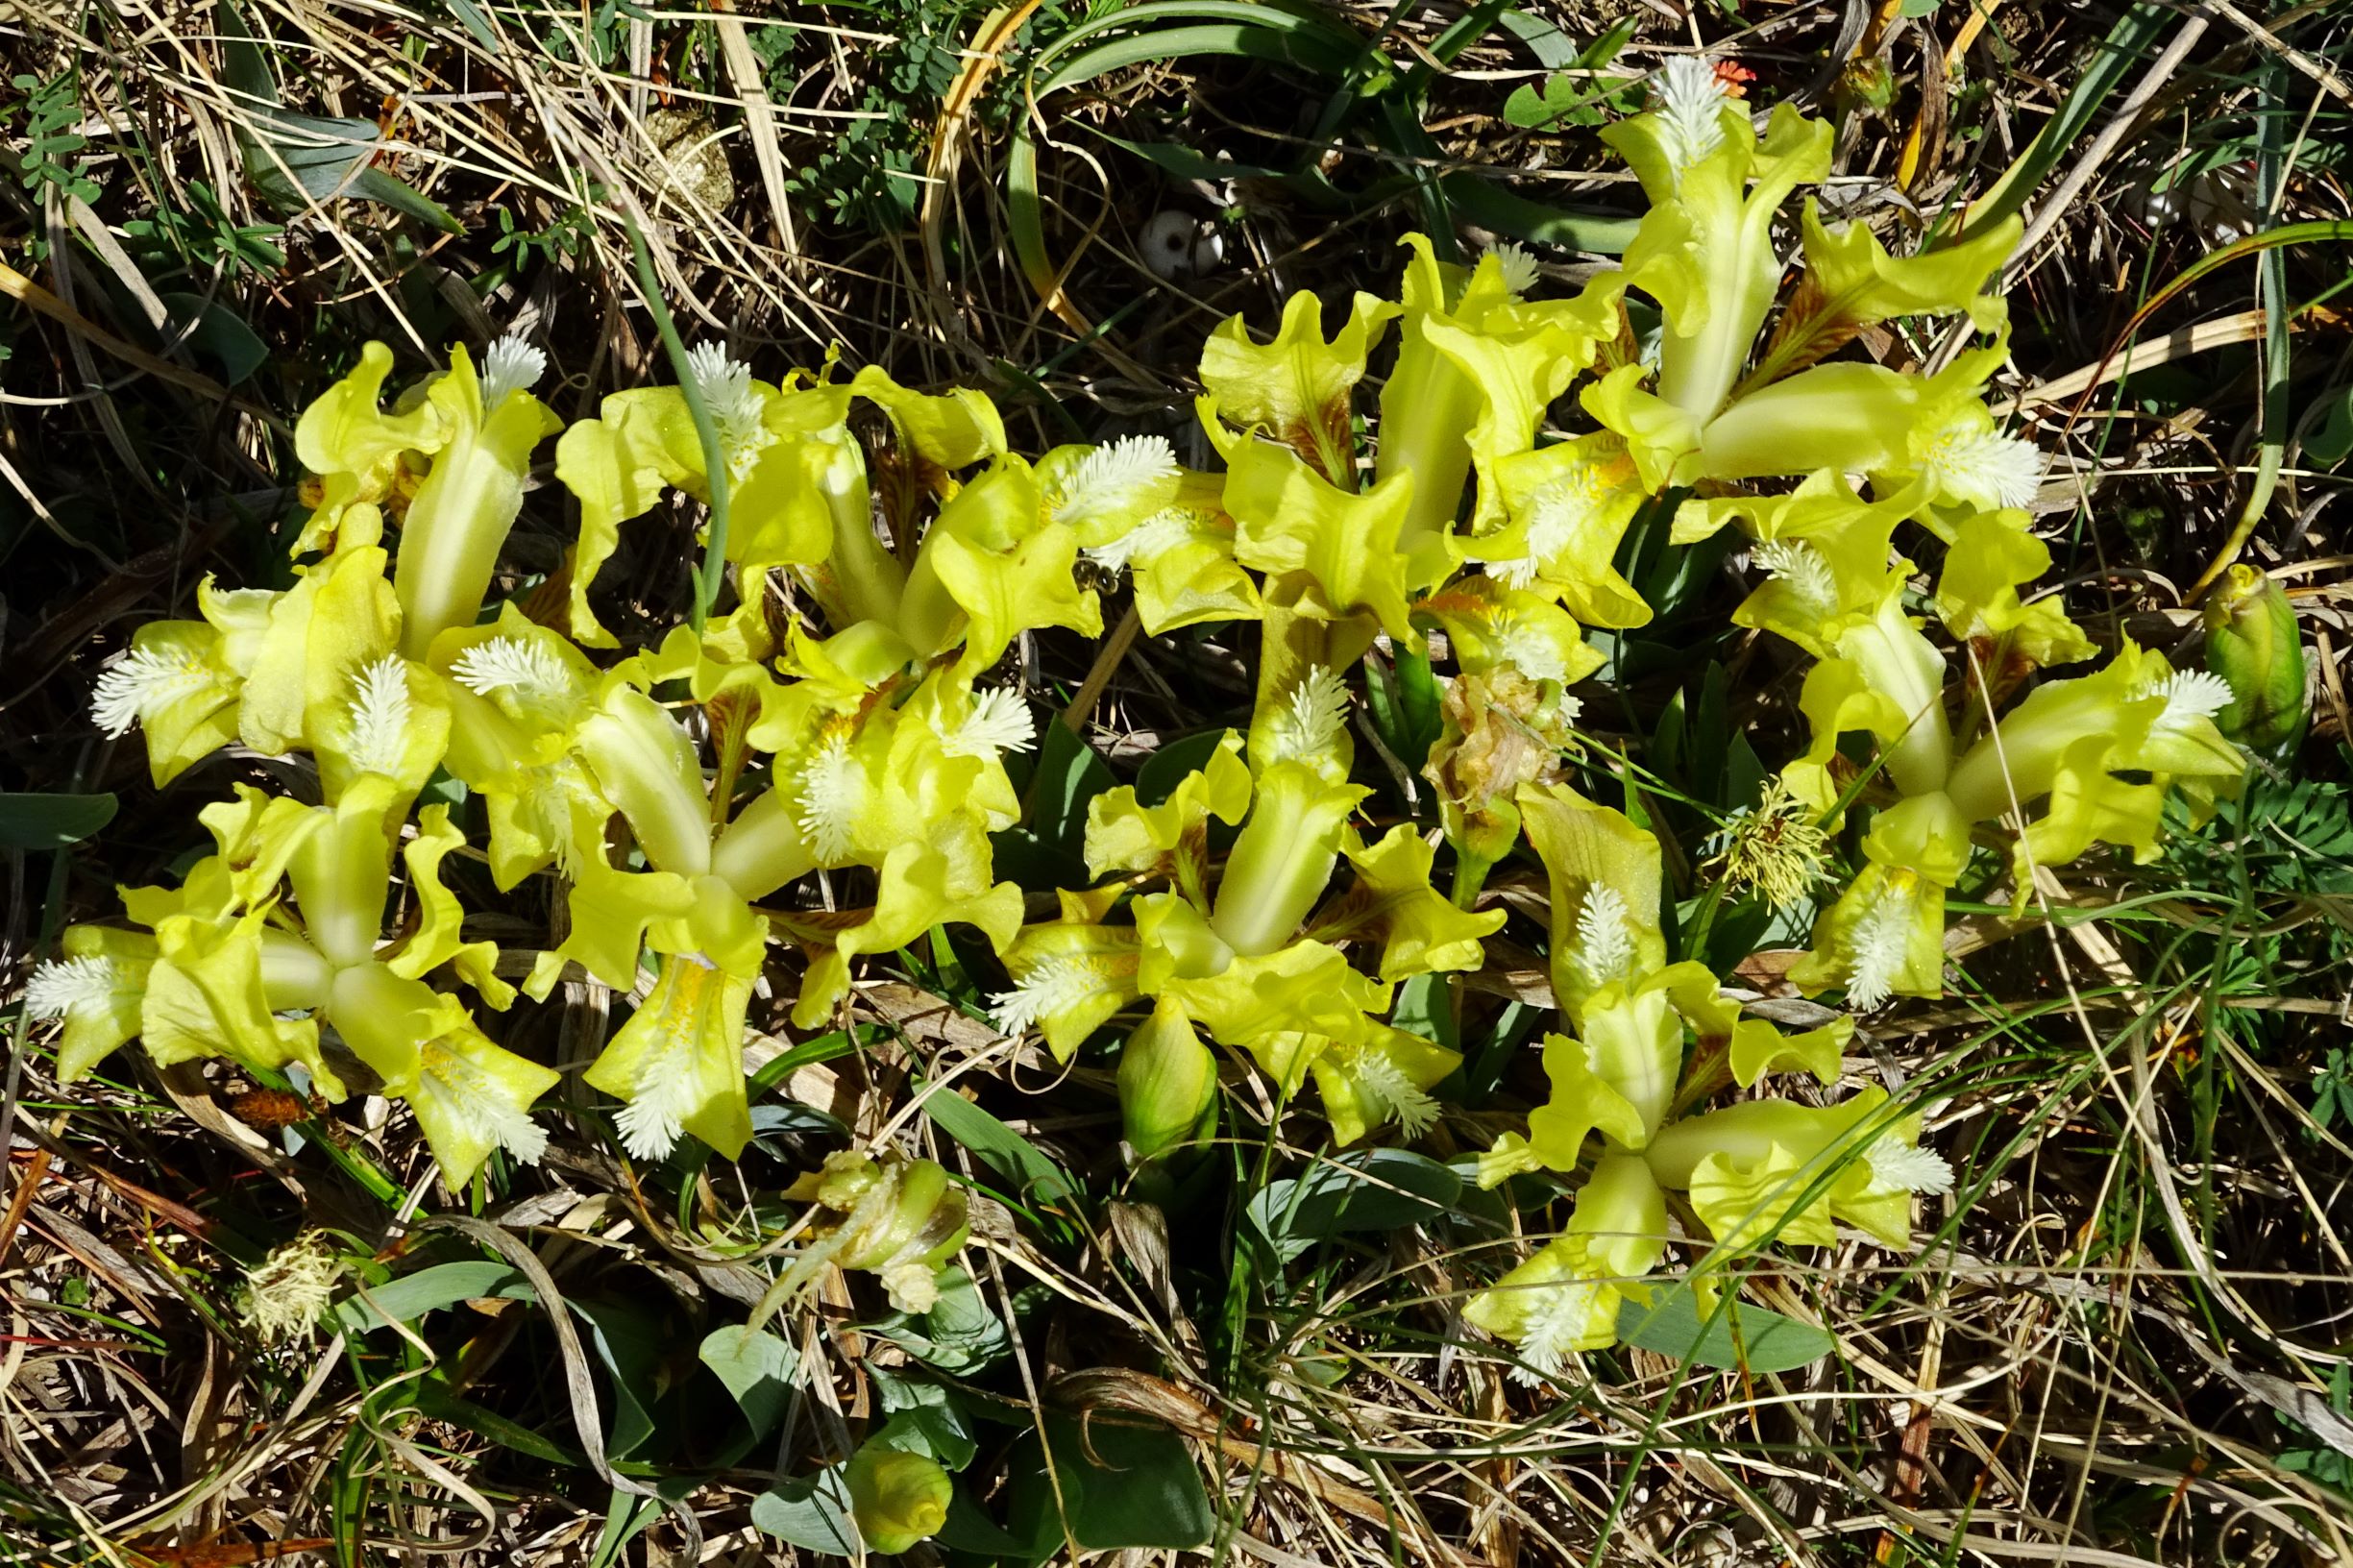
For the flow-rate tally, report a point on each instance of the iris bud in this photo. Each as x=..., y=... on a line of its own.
x=2252, y=642
x=895, y=1497
x=1167, y=1084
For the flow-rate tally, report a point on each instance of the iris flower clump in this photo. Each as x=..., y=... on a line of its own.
x=817, y=774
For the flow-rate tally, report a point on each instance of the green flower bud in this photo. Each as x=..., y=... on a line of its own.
x=895, y=1497
x=2252, y=642
x=1167, y=1084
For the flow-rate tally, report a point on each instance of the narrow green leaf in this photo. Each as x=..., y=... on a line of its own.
x=475, y=23
x=1732, y=1335
x=1046, y=848
x=1426, y=1007
x=1250, y=31
x=2330, y=440
x=389, y=190
x=1553, y=48
x=435, y=1400
x=1466, y=29
x=2125, y=48
x=1374, y=1189
x=1481, y=201
x=52, y=821
x=1168, y=767
x=1419, y=699
x=411, y=1296
x=1035, y=1178
x=296, y=160
x=1183, y=162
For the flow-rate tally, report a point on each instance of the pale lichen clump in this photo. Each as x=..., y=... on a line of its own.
x=1775, y=847
x=286, y=1293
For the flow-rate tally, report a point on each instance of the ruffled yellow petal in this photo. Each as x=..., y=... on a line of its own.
x=1605, y=875
x=677, y=1065
x=437, y=938
x=1567, y=1297
x=1378, y=1079
x=1420, y=931
x=1296, y=389
x=472, y=1096
x=1290, y=518
x=1169, y=839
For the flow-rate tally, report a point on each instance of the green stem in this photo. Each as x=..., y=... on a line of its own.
x=706, y=433
x=1470, y=876
x=1695, y=935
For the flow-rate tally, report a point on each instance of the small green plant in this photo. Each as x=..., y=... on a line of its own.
x=865, y=179
x=522, y=249
x=2332, y=1099
x=50, y=110
x=2324, y=1461
x=1583, y=93
x=205, y=236
x=591, y=35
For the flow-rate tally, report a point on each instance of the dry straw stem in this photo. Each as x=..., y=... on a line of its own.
x=2053, y=209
